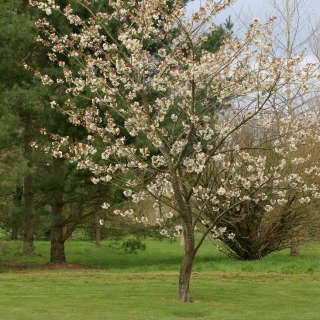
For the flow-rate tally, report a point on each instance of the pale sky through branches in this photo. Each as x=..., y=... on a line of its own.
x=242, y=12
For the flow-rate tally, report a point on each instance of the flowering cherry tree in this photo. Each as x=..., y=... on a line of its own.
x=276, y=172
x=165, y=117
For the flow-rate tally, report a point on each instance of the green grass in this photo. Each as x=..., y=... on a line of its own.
x=98, y=294
x=161, y=256
x=144, y=285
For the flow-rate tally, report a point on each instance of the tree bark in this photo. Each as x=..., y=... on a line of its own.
x=295, y=247
x=28, y=214
x=14, y=233
x=98, y=233
x=93, y=227
x=57, y=254
x=189, y=242
x=27, y=234
x=186, y=265
x=182, y=240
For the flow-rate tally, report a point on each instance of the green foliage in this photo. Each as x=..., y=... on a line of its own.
x=10, y=250
x=132, y=245
x=12, y=254
x=25, y=100
x=215, y=38
x=19, y=106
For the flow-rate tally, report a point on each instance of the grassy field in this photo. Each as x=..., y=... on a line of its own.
x=144, y=285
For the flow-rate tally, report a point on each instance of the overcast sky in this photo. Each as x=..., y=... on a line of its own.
x=243, y=11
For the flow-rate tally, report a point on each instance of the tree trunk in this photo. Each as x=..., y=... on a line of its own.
x=27, y=233
x=93, y=227
x=186, y=266
x=28, y=214
x=182, y=240
x=14, y=233
x=295, y=247
x=185, y=213
x=57, y=254
x=17, y=222
x=98, y=233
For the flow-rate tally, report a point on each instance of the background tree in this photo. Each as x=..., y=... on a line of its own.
x=264, y=223
x=50, y=189
x=258, y=232
x=294, y=33
x=18, y=103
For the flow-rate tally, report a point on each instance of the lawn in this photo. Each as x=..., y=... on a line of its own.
x=144, y=285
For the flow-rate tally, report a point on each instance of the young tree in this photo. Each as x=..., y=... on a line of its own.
x=259, y=232
x=266, y=223
x=154, y=113
x=295, y=30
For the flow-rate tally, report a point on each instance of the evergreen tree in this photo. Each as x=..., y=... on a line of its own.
x=36, y=180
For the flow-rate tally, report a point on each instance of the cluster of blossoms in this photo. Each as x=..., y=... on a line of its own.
x=186, y=153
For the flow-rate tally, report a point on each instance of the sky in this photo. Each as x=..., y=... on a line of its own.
x=243, y=11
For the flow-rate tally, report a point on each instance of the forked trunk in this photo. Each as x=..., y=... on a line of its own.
x=185, y=212
x=186, y=268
